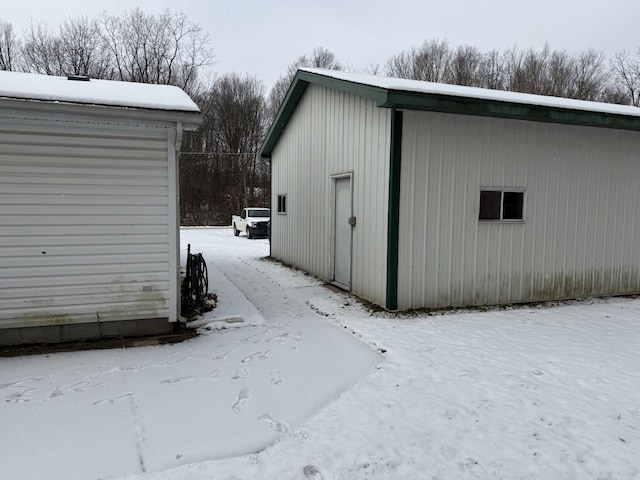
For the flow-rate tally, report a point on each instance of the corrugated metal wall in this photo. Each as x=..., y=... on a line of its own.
x=582, y=221
x=333, y=133
x=83, y=223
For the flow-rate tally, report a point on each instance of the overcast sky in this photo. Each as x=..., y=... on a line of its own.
x=263, y=37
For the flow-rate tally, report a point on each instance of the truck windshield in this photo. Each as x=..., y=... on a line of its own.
x=260, y=213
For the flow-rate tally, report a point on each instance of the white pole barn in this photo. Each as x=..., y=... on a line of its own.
x=459, y=196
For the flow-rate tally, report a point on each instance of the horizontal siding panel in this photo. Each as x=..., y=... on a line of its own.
x=103, y=142
x=78, y=194
x=72, y=232
x=131, y=242
x=94, y=198
x=46, y=261
x=106, y=209
x=17, y=151
x=97, y=250
x=73, y=181
x=59, y=302
x=78, y=269
x=37, y=283
x=85, y=220
x=66, y=200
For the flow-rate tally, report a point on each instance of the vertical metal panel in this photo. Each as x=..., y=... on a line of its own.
x=332, y=133
x=84, y=223
x=579, y=236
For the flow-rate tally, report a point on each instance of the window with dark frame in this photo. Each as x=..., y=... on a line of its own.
x=282, y=204
x=501, y=205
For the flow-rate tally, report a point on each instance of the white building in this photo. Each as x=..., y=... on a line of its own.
x=89, y=224
x=419, y=195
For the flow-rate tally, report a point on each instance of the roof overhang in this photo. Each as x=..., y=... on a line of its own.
x=451, y=99
x=50, y=110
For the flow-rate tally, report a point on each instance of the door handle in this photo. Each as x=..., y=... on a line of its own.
x=352, y=221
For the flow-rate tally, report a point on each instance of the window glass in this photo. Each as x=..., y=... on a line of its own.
x=497, y=204
x=282, y=204
x=513, y=205
x=490, y=204
x=259, y=213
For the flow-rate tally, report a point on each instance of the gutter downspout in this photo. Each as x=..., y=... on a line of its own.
x=174, y=222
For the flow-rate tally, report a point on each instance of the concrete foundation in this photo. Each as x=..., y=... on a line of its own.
x=84, y=331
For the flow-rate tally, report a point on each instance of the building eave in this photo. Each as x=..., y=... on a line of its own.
x=45, y=109
x=463, y=101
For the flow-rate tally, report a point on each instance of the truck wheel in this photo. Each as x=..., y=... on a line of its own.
x=249, y=233
x=236, y=232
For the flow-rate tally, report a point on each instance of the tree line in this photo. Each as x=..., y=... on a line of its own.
x=221, y=171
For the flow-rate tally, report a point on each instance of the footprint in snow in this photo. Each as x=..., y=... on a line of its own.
x=311, y=472
x=174, y=380
x=79, y=387
x=224, y=356
x=112, y=400
x=19, y=397
x=257, y=356
x=241, y=403
x=276, y=425
x=276, y=378
x=240, y=373
x=217, y=374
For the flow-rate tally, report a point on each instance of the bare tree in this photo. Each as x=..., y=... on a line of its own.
x=164, y=49
x=626, y=71
x=429, y=62
x=80, y=44
x=75, y=50
x=465, y=67
x=9, y=46
x=492, y=71
x=320, y=58
x=221, y=170
x=41, y=51
x=589, y=76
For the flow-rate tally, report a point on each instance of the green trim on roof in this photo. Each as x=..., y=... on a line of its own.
x=504, y=109
x=401, y=99
x=393, y=227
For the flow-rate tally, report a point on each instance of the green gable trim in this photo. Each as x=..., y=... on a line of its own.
x=289, y=105
x=393, y=227
x=299, y=85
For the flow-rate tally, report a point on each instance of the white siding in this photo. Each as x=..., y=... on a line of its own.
x=333, y=133
x=582, y=221
x=84, y=223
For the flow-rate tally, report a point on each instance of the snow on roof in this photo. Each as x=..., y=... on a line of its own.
x=389, y=83
x=31, y=86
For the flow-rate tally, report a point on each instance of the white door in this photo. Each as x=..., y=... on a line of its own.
x=342, y=229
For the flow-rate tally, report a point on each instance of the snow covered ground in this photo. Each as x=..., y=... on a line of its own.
x=312, y=385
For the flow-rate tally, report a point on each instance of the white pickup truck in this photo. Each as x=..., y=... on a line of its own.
x=253, y=221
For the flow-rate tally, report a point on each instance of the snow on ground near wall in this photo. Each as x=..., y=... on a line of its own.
x=526, y=393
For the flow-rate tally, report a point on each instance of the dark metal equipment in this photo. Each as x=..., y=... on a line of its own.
x=195, y=285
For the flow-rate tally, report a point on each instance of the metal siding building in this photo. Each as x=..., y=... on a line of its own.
x=89, y=239
x=333, y=135
x=419, y=156
x=580, y=232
